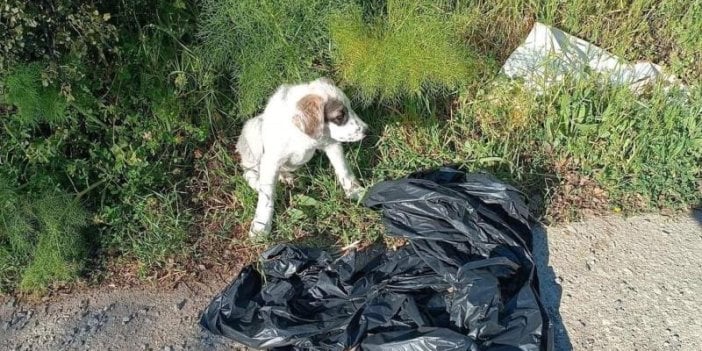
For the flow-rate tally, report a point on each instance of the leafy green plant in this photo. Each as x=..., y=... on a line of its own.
x=53, y=30
x=115, y=135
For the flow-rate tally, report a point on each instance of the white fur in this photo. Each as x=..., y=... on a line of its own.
x=271, y=145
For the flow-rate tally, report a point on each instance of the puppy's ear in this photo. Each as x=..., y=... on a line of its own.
x=310, y=119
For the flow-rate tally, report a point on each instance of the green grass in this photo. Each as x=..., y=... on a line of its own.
x=314, y=211
x=655, y=30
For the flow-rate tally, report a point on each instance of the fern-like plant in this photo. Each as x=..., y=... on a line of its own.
x=40, y=239
x=413, y=48
x=60, y=249
x=265, y=43
x=34, y=102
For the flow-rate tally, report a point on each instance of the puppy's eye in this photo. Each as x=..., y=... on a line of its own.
x=339, y=118
x=343, y=117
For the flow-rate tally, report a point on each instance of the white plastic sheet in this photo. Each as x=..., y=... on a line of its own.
x=548, y=55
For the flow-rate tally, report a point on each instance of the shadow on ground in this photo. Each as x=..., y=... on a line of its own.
x=551, y=291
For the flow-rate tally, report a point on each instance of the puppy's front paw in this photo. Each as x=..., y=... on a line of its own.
x=355, y=192
x=286, y=178
x=258, y=229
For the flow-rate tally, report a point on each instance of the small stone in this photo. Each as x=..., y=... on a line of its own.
x=6, y=326
x=11, y=302
x=18, y=317
x=179, y=306
x=93, y=322
x=108, y=307
x=126, y=319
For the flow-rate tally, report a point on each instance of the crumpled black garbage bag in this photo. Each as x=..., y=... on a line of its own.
x=466, y=279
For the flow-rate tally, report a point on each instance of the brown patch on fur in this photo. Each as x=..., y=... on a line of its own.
x=311, y=121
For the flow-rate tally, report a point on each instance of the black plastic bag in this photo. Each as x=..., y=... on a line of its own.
x=466, y=279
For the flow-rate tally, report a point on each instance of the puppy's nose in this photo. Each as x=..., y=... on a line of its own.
x=364, y=131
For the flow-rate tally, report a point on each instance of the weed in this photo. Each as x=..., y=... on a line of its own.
x=165, y=224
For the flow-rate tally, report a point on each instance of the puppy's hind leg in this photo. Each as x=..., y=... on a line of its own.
x=250, y=149
x=263, y=217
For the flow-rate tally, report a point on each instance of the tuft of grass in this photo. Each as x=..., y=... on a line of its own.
x=41, y=240
x=220, y=190
x=314, y=211
x=60, y=248
x=413, y=48
x=17, y=235
x=165, y=223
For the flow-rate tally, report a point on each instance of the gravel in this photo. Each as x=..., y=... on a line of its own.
x=608, y=283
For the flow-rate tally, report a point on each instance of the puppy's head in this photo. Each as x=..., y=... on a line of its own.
x=327, y=112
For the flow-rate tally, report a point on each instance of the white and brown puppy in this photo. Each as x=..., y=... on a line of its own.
x=297, y=121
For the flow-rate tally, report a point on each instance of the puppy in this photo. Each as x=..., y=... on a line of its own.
x=297, y=121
